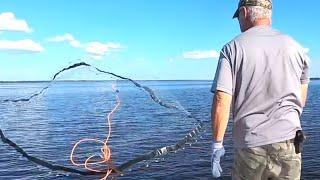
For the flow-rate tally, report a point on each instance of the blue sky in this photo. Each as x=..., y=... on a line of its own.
x=141, y=39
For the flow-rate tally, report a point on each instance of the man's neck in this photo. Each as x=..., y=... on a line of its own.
x=262, y=22
x=259, y=22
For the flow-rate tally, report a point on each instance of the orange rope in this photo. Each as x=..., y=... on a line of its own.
x=105, y=155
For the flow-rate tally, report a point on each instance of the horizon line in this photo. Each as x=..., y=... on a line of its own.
x=39, y=81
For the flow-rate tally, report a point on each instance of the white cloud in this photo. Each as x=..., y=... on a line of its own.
x=97, y=50
x=201, y=54
x=66, y=38
x=25, y=45
x=8, y=22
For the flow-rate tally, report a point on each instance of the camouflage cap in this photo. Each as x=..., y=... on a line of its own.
x=262, y=3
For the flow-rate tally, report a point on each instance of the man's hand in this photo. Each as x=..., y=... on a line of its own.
x=217, y=152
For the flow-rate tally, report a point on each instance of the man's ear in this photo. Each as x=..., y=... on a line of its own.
x=245, y=12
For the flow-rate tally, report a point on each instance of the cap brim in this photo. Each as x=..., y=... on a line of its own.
x=236, y=14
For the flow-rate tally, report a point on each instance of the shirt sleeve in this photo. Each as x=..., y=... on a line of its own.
x=223, y=76
x=305, y=79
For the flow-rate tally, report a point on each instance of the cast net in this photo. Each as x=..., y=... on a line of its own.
x=94, y=128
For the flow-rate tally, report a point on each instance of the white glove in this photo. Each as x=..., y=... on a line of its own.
x=217, y=152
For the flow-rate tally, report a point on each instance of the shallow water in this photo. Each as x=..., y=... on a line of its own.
x=49, y=125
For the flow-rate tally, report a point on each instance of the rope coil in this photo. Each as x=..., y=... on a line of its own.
x=105, y=155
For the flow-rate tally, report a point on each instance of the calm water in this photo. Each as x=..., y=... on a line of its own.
x=49, y=125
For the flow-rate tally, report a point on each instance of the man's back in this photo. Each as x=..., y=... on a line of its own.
x=267, y=71
x=263, y=75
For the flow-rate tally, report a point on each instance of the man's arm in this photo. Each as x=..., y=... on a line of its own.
x=304, y=93
x=220, y=114
x=304, y=79
x=223, y=88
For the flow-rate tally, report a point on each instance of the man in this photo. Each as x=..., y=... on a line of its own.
x=263, y=75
